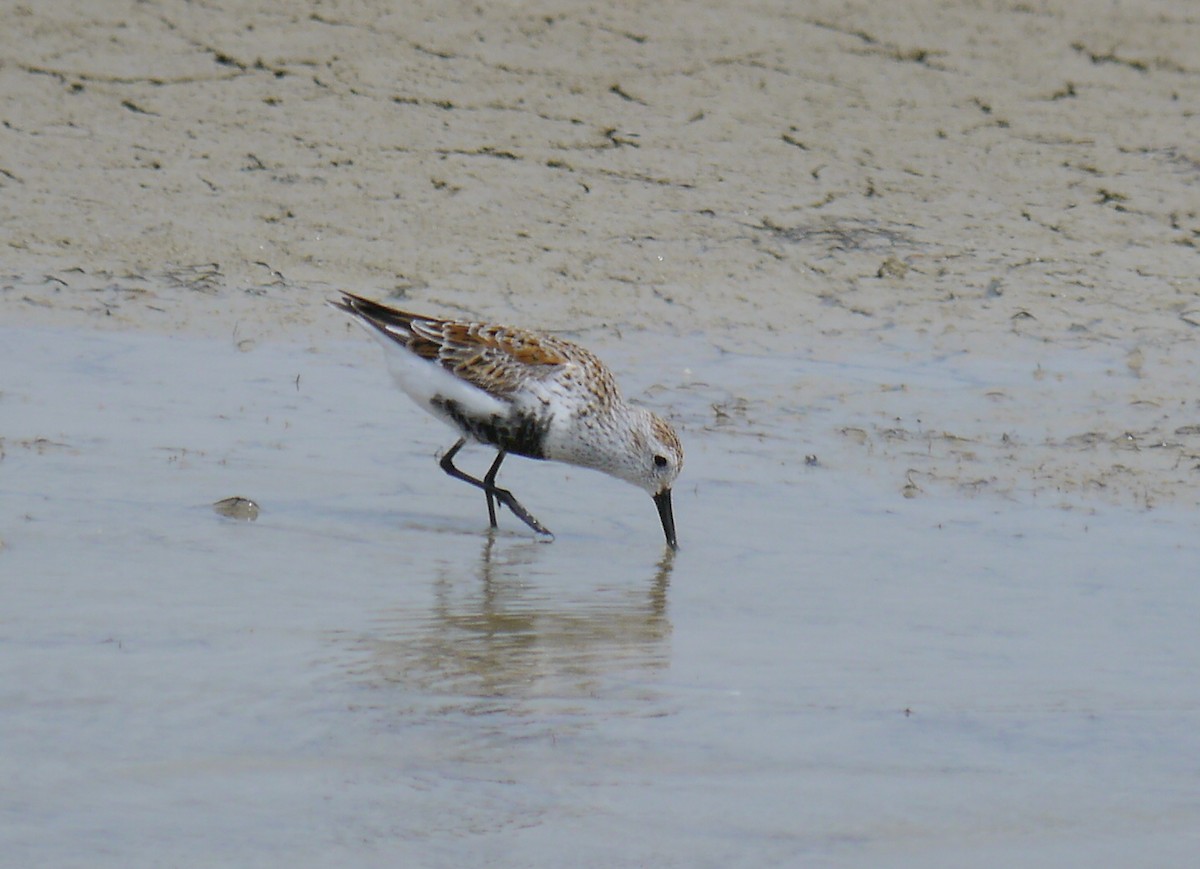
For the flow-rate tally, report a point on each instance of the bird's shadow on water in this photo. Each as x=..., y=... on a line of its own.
x=508, y=634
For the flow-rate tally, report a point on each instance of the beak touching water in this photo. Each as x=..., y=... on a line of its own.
x=663, y=501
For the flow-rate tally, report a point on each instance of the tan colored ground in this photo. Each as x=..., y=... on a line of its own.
x=823, y=178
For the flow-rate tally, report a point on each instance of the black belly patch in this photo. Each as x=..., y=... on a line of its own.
x=520, y=434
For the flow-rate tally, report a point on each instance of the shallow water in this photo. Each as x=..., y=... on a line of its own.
x=827, y=672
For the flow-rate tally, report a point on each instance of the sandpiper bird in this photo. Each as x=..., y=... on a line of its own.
x=526, y=393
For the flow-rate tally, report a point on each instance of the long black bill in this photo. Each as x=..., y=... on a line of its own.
x=663, y=502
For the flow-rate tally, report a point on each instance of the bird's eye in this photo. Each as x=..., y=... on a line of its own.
x=660, y=461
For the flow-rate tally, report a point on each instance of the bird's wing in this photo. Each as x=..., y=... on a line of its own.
x=497, y=359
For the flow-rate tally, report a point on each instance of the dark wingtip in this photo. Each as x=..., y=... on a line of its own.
x=373, y=313
x=349, y=302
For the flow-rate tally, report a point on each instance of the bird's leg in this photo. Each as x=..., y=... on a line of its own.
x=488, y=484
x=490, y=480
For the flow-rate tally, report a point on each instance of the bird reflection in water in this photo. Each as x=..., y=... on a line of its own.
x=512, y=636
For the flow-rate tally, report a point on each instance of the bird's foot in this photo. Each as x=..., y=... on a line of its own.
x=506, y=498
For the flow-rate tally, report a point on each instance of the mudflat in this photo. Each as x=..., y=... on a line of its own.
x=918, y=282
x=1013, y=181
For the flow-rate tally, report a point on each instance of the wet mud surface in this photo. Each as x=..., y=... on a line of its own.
x=827, y=668
x=916, y=282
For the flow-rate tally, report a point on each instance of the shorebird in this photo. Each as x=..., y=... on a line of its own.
x=525, y=393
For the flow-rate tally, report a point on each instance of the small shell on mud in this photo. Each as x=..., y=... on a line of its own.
x=237, y=507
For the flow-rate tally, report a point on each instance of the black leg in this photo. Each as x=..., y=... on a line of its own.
x=488, y=484
x=489, y=480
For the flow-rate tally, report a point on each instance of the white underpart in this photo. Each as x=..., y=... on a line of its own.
x=423, y=380
x=604, y=442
